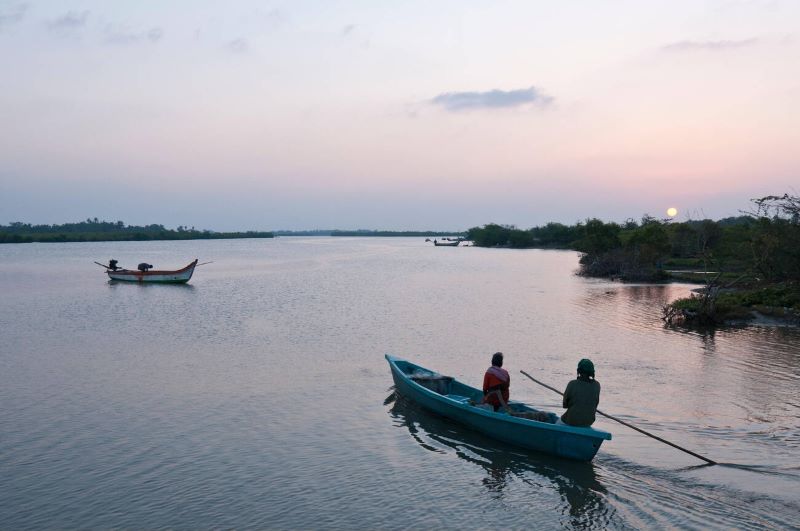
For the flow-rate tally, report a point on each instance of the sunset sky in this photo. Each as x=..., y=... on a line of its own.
x=395, y=115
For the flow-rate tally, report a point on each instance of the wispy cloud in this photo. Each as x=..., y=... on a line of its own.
x=355, y=34
x=70, y=21
x=12, y=14
x=711, y=46
x=492, y=99
x=124, y=36
x=240, y=45
x=275, y=18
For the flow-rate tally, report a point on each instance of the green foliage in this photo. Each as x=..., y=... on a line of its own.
x=779, y=300
x=557, y=235
x=520, y=239
x=94, y=230
x=783, y=295
x=598, y=237
x=765, y=248
x=775, y=245
x=648, y=245
x=633, y=252
x=764, y=245
x=757, y=249
x=552, y=235
x=491, y=235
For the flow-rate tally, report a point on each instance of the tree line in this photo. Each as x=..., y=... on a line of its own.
x=95, y=230
x=392, y=233
x=763, y=243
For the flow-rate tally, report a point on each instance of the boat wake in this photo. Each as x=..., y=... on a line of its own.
x=609, y=492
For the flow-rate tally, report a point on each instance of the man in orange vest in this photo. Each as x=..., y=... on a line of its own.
x=496, y=382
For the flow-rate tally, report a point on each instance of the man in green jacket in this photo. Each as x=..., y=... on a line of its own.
x=582, y=396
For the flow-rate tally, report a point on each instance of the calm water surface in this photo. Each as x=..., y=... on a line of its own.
x=258, y=395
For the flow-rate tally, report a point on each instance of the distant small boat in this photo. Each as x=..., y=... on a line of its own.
x=450, y=398
x=447, y=244
x=178, y=276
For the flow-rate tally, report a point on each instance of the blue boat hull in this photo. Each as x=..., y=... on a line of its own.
x=450, y=398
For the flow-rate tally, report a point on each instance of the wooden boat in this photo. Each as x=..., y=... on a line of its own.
x=450, y=398
x=446, y=244
x=179, y=276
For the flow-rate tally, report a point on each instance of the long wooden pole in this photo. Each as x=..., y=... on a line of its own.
x=707, y=460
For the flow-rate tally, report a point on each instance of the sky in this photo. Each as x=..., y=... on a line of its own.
x=413, y=115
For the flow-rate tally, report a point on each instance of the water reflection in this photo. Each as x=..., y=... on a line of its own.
x=115, y=283
x=576, y=483
x=635, y=307
x=709, y=343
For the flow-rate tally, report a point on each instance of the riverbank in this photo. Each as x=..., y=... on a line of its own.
x=776, y=304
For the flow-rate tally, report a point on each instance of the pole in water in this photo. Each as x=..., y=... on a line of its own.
x=707, y=460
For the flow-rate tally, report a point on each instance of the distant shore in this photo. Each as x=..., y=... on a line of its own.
x=70, y=238
x=94, y=230
x=399, y=233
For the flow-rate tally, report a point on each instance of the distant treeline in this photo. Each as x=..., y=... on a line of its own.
x=424, y=234
x=94, y=230
x=764, y=244
x=315, y=232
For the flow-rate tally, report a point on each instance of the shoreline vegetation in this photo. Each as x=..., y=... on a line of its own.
x=94, y=230
x=749, y=265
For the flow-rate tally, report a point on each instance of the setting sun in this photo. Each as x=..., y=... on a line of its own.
x=672, y=212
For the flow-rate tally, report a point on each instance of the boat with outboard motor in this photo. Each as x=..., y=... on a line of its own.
x=450, y=398
x=146, y=274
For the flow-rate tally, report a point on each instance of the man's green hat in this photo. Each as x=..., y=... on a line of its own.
x=586, y=367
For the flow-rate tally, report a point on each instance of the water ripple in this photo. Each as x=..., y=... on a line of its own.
x=257, y=396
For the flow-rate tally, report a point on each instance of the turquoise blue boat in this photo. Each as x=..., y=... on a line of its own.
x=452, y=399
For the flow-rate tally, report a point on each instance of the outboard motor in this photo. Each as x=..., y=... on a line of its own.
x=144, y=267
x=112, y=265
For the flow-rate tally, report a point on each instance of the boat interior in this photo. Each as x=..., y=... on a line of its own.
x=454, y=390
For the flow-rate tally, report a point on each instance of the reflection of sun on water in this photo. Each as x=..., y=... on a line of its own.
x=672, y=212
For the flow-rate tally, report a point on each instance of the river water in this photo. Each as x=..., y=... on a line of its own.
x=258, y=394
